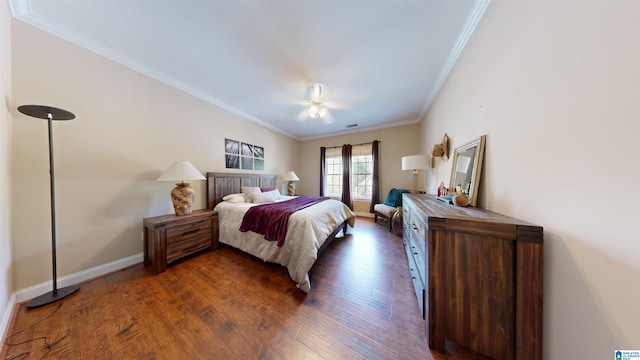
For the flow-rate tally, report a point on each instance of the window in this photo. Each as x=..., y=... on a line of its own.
x=361, y=172
x=333, y=182
x=361, y=176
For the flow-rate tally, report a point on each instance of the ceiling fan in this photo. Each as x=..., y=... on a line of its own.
x=317, y=107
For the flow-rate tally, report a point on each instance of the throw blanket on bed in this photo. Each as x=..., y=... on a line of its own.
x=271, y=220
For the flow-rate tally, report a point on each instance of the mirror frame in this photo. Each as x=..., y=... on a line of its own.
x=477, y=167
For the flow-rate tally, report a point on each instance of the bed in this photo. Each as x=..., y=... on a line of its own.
x=310, y=230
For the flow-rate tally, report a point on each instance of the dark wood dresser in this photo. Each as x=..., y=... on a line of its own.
x=477, y=276
x=169, y=238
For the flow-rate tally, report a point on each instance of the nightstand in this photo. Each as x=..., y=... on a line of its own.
x=169, y=238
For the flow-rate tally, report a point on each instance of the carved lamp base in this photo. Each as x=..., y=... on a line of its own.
x=291, y=188
x=182, y=198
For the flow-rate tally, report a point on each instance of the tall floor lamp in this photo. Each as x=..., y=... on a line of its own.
x=50, y=113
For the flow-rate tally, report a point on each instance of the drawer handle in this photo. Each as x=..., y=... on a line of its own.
x=190, y=232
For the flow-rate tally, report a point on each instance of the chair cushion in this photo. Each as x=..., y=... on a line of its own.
x=385, y=210
x=395, y=197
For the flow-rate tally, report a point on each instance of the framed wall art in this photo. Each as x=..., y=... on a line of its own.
x=240, y=155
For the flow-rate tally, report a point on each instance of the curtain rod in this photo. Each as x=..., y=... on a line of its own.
x=339, y=146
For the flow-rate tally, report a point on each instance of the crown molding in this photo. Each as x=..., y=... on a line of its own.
x=19, y=7
x=469, y=27
x=21, y=10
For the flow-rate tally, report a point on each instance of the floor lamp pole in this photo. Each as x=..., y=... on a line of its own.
x=50, y=113
x=52, y=184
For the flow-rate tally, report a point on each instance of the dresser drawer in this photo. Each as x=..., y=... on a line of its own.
x=419, y=245
x=417, y=278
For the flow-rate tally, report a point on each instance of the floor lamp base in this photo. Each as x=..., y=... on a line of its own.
x=51, y=297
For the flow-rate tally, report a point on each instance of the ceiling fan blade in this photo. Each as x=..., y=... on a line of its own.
x=302, y=116
x=336, y=105
x=328, y=118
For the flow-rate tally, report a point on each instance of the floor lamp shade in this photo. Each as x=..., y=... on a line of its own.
x=182, y=195
x=291, y=177
x=415, y=163
x=50, y=113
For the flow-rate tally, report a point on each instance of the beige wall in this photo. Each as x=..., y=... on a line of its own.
x=555, y=86
x=5, y=160
x=395, y=143
x=128, y=129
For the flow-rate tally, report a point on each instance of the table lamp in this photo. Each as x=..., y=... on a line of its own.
x=291, y=177
x=415, y=163
x=182, y=195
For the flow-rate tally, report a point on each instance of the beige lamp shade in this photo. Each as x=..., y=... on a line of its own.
x=415, y=163
x=291, y=177
x=182, y=195
x=181, y=170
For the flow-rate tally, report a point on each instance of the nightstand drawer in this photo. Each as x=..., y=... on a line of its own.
x=189, y=231
x=183, y=248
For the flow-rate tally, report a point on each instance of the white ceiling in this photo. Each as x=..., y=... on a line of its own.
x=382, y=62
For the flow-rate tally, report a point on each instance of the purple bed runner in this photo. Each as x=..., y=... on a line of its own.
x=272, y=220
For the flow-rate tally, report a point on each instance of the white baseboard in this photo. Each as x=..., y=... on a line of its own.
x=6, y=317
x=79, y=277
x=37, y=290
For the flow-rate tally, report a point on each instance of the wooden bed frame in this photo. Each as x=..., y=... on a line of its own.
x=222, y=184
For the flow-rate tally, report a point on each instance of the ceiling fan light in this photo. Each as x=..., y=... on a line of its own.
x=316, y=107
x=313, y=111
x=315, y=95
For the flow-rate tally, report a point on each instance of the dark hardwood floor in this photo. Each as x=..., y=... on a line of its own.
x=229, y=305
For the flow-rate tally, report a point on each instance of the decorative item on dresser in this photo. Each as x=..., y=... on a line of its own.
x=477, y=276
x=182, y=195
x=169, y=238
x=291, y=177
x=50, y=113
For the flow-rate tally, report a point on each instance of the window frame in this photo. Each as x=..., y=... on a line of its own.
x=362, y=150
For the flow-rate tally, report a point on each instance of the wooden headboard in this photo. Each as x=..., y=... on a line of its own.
x=222, y=184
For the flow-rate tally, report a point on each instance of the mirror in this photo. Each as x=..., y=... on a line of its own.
x=465, y=171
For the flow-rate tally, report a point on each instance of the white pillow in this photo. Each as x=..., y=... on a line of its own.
x=234, y=198
x=275, y=194
x=227, y=197
x=249, y=191
x=262, y=198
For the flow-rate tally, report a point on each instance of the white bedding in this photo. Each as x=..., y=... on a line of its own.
x=307, y=230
